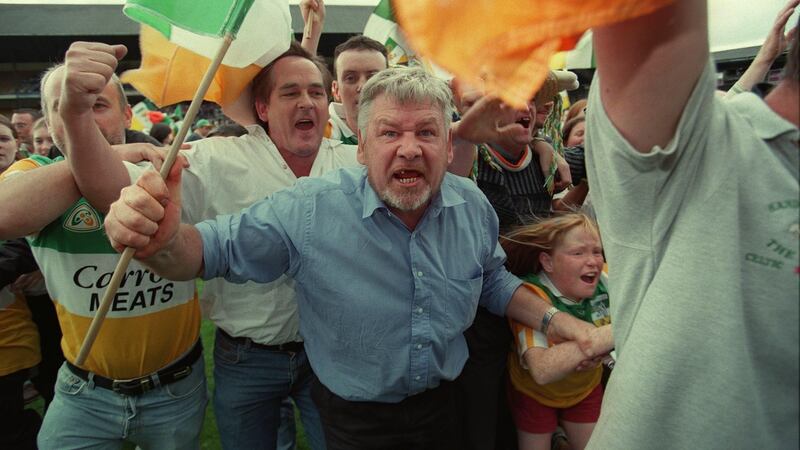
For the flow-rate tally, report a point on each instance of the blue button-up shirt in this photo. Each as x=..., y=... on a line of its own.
x=382, y=308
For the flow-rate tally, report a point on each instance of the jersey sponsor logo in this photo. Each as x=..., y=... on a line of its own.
x=139, y=290
x=82, y=219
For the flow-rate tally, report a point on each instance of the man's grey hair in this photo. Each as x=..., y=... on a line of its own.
x=123, y=100
x=405, y=85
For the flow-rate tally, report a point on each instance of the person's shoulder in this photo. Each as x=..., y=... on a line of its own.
x=465, y=187
x=338, y=153
x=345, y=180
x=754, y=113
x=226, y=147
x=25, y=165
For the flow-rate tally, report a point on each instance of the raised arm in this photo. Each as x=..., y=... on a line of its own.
x=312, y=31
x=774, y=44
x=488, y=119
x=98, y=171
x=648, y=67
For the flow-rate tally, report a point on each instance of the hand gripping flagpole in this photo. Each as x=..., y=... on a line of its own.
x=127, y=255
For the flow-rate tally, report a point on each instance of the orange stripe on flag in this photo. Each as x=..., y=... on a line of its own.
x=506, y=44
x=170, y=74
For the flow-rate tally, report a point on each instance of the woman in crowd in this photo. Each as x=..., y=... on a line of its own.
x=42, y=142
x=8, y=144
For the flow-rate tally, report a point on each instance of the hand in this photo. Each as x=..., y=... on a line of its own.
x=491, y=120
x=88, y=66
x=25, y=282
x=143, y=151
x=318, y=7
x=589, y=364
x=776, y=42
x=564, y=327
x=147, y=214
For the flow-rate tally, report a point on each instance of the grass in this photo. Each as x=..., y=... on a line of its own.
x=209, y=435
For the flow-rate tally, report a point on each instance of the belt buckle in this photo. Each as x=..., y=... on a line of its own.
x=132, y=387
x=183, y=373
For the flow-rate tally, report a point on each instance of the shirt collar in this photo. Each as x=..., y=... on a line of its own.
x=336, y=113
x=552, y=287
x=446, y=197
x=766, y=123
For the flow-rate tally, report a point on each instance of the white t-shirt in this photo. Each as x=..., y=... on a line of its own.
x=702, y=240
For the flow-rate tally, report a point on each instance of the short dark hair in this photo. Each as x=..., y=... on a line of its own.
x=359, y=42
x=35, y=113
x=262, y=83
x=791, y=71
x=160, y=131
x=228, y=129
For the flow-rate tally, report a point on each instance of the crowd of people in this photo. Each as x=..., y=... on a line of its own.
x=413, y=264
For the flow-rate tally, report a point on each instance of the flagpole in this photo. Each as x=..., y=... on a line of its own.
x=127, y=255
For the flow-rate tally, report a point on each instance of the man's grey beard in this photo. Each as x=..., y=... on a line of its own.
x=403, y=203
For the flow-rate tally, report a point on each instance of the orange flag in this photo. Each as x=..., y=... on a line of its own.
x=506, y=45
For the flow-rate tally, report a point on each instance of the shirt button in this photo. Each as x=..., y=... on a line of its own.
x=419, y=346
x=419, y=310
x=417, y=378
x=419, y=274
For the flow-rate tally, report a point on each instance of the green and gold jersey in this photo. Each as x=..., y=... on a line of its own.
x=19, y=338
x=151, y=321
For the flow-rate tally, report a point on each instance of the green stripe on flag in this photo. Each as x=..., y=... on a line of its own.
x=203, y=17
x=384, y=9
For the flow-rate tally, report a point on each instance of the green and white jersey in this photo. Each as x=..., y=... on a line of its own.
x=151, y=322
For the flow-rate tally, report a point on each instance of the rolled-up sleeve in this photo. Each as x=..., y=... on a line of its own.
x=498, y=283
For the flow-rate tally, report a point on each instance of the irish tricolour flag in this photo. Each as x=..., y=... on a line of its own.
x=382, y=27
x=179, y=38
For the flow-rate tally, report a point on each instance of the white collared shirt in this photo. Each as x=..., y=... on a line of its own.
x=230, y=174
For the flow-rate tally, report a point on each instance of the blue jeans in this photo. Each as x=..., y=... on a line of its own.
x=287, y=431
x=84, y=416
x=250, y=384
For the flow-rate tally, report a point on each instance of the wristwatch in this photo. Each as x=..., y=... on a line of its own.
x=548, y=316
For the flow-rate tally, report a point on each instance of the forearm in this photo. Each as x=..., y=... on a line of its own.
x=572, y=199
x=182, y=259
x=464, y=154
x=310, y=41
x=755, y=73
x=98, y=170
x=15, y=259
x=51, y=189
x=527, y=308
x=547, y=365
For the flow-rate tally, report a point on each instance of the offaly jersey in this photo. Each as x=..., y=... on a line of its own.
x=19, y=339
x=151, y=321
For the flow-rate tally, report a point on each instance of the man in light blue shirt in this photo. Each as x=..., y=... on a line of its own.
x=391, y=262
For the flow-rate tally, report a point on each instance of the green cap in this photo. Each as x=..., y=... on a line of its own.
x=202, y=123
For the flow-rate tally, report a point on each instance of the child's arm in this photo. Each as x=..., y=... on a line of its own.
x=547, y=365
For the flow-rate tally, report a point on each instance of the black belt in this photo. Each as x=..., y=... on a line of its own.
x=178, y=370
x=289, y=347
